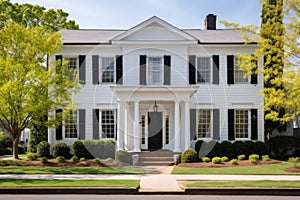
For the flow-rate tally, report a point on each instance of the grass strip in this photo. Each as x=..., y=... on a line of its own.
x=240, y=184
x=270, y=169
x=69, y=170
x=68, y=183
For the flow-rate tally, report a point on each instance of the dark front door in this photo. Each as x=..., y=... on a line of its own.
x=155, y=130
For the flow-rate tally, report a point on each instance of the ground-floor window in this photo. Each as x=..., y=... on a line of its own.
x=108, y=124
x=204, y=123
x=71, y=124
x=241, y=123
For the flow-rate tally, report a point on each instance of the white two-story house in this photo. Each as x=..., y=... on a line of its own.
x=156, y=86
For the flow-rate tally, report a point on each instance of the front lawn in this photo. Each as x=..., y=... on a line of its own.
x=68, y=183
x=69, y=170
x=251, y=184
x=267, y=169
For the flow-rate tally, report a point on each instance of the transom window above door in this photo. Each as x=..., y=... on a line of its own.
x=155, y=71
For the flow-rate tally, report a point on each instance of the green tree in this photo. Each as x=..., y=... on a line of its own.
x=27, y=88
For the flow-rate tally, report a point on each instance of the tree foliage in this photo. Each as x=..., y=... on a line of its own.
x=278, y=54
x=27, y=89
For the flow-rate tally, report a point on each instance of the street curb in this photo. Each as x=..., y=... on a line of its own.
x=244, y=191
x=70, y=190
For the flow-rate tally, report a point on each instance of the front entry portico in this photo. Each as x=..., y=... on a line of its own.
x=139, y=127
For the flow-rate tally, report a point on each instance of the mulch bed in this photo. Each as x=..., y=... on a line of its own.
x=292, y=169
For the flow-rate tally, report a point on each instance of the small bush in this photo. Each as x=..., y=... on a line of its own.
x=79, y=149
x=225, y=159
x=234, y=161
x=205, y=159
x=265, y=157
x=82, y=159
x=32, y=156
x=61, y=149
x=43, y=149
x=241, y=157
x=217, y=160
x=254, y=156
x=252, y=161
x=189, y=156
x=294, y=160
x=74, y=159
x=109, y=160
x=96, y=161
x=123, y=156
x=280, y=145
x=110, y=149
x=60, y=159
x=21, y=149
x=8, y=151
x=44, y=160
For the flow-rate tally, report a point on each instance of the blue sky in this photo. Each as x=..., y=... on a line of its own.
x=124, y=14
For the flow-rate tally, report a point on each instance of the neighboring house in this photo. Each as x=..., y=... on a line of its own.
x=156, y=86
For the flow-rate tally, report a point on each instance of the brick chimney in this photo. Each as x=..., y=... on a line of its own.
x=210, y=22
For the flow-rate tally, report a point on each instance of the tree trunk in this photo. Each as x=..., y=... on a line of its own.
x=15, y=148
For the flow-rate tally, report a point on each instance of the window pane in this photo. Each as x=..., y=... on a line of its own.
x=241, y=123
x=108, y=69
x=71, y=125
x=203, y=69
x=239, y=74
x=204, y=121
x=154, y=70
x=108, y=124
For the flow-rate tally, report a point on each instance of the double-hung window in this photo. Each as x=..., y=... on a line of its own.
x=71, y=124
x=108, y=124
x=155, y=70
x=203, y=69
x=72, y=65
x=108, y=69
x=239, y=75
x=241, y=124
x=204, y=123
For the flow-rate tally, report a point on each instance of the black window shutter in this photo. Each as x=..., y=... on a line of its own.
x=95, y=65
x=254, y=76
x=59, y=128
x=193, y=124
x=81, y=114
x=216, y=67
x=230, y=69
x=119, y=71
x=216, y=124
x=82, y=69
x=143, y=60
x=167, y=70
x=254, y=128
x=95, y=124
x=230, y=124
x=192, y=70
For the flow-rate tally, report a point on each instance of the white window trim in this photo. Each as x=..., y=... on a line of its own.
x=100, y=124
x=249, y=125
x=147, y=70
x=101, y=69
x=210, y=68
x=235, y=66
x=64, y=127
x=211, y=124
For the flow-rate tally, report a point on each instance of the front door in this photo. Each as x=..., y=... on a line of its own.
x=155, y=130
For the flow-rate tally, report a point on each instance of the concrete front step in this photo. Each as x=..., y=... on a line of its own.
x=156, y=158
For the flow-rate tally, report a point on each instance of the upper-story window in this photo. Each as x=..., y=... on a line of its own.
x=203, y=69
x=108, y=69
x=239, y=75
x=72, y=65
x=155, y=70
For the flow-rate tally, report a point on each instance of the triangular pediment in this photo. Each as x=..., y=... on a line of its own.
x=154, y=29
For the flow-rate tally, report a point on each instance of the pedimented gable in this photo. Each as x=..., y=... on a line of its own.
x=154, y=29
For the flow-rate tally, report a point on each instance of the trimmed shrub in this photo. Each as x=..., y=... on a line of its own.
x=241, y=157
x=43, y=149
x=225, y=159
x=234, y=161
x=96, y=161
x=109, y=160
x=254, y=156
x=227, y=150
x=60, y=159
x=74, y=159
x=260, y=148
x=265, y=157
x=5, y=151
x=109, y=149
x=32, y=156
x=238, y=148
x=78, y=149
x=217, y=160
x=253, y=161
x=100, y=149
x=82, y=159
x=44, y=160
x=294, y=160
x=89, y=149
x=189, y=156
x=212, y=149
x=205, y=159
x=280, y=145
x=21, y=149
x=123, y=156
x=61, y=149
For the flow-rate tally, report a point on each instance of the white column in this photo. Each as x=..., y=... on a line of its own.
x=136, y=137
x=177, y=128
x=120, y=127
x=126, y=126
x=187, y=124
